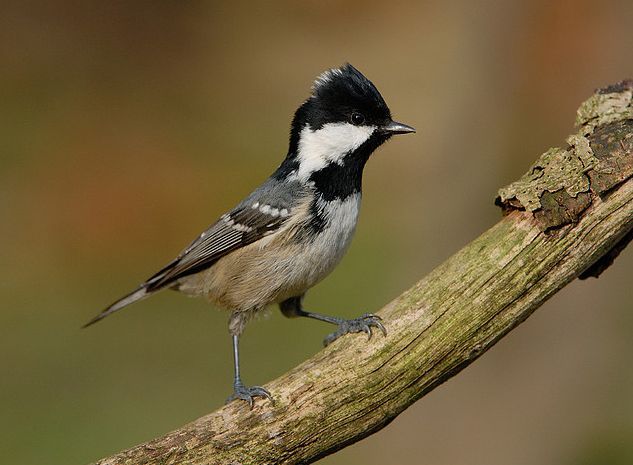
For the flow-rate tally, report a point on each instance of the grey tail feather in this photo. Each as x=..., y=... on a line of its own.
x=138, y=294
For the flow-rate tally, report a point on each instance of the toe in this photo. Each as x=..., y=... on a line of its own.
x=363, y=324
x=329, y=339
x=248, y=394
x=374, y=321
x=381, y=327
x=257, y=391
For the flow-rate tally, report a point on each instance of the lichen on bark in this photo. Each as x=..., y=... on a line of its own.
x=613, y=147
x=609, y=104
x=563, y=182
x=557, y=169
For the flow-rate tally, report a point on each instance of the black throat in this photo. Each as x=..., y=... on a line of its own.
x=337, y=181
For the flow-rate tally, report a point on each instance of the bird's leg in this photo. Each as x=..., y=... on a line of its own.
x=293, y=308
x=239, y=390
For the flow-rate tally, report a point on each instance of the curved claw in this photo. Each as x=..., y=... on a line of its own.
x=248, y=394
x=364, y=324
x=381, y=327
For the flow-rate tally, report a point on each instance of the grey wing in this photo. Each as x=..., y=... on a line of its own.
x=234, y=230
x=259, y=215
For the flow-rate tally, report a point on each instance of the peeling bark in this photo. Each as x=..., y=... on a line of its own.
x=569, y=216
x=562, y=184
x=612, y=145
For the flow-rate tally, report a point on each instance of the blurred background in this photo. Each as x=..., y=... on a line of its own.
x=127, y=127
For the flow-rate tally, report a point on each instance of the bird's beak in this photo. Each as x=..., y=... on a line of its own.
x=393, y=127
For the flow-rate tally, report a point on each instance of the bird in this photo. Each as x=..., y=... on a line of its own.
x=291, y=231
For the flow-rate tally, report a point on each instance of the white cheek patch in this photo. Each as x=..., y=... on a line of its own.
x=330, y=144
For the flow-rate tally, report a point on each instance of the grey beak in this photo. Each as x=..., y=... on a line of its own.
x=393, y=127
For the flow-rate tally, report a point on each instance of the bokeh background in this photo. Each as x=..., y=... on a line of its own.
x=127, y=127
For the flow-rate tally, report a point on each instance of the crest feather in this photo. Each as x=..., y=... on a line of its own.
x=325, y=77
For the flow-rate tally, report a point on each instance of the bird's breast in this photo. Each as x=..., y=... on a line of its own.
x=308, y=254
x=333, y=224
x=286, y=263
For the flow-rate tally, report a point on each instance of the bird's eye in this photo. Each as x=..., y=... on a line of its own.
x=356, y=119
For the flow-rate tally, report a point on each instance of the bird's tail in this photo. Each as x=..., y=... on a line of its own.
x=135, y=296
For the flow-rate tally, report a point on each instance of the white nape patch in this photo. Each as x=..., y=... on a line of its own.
x=327, y=145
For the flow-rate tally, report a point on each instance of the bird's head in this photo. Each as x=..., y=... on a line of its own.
x=343, y=121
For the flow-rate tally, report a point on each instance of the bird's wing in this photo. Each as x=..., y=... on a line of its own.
x=260, y=215
x=238, y=228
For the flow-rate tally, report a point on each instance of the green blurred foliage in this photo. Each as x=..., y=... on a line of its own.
x=127, y=127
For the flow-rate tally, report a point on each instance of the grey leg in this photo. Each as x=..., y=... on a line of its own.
x=293, y=308
x=239, y=390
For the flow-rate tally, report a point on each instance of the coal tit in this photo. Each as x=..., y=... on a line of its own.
x=291, y=231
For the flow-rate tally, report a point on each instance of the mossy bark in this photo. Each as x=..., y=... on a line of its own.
x=566, y=216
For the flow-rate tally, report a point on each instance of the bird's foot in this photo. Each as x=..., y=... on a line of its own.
x=363, y=324
x=248, y=393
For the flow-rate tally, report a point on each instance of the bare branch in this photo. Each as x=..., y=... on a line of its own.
x=572, y=208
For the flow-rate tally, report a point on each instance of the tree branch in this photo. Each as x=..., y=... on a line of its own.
x=574, y=207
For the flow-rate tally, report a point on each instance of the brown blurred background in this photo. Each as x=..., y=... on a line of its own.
x=127, y=127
